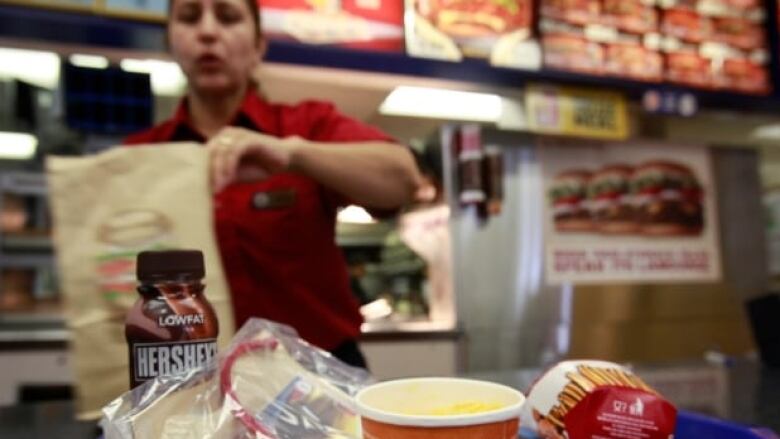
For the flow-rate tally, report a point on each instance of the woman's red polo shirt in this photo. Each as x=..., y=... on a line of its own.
x=277, y=236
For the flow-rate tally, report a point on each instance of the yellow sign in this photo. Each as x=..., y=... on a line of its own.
x=577, y=112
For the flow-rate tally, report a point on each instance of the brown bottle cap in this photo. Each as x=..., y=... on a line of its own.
x=170, y=265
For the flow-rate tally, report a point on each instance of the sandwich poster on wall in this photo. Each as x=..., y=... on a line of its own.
x=629, y=213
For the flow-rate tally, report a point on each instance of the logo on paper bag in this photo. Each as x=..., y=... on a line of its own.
x=124, y=235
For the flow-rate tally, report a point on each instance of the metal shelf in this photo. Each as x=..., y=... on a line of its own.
x=26, y=261
x=360, y=241
x=50, y=319
x=362, y=235
x=33, y=328
x=23, y=183
x=14, y=243
x=22, y=250
x=479, y=71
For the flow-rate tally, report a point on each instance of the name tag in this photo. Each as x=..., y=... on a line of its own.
x=273, y=199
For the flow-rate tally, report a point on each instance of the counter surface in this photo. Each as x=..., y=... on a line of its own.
x=743, y=392
x=48, y=331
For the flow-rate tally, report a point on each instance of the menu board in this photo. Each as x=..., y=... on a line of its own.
x=710, y=44
x=499, y=30
x=607, y=37
x=150, y=7
x=717, y=44
x=629, y=213
x=577, y=112
x=79, y=4
x=364, y=24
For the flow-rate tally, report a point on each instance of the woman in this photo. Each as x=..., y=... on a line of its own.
x=278, y=173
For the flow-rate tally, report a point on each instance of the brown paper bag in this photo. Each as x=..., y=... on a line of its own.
x=106, y=209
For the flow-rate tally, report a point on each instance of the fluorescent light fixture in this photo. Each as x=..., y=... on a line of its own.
x=769, y=132
x=136, y=65
x=378, y=309
x=17, y=146
x=35, y=67
x=89, y=61
x=354, y=215
x=442, y=104
x=513, y=115
x=167, y=78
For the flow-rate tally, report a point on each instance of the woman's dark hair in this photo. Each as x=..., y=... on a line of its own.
x=254, y=9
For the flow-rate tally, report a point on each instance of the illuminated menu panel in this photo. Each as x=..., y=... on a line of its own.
x=498, y=30
x=151, y=7
x=375, y=25
x=709, y=44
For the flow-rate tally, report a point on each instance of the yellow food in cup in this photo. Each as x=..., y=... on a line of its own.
x=459, y=408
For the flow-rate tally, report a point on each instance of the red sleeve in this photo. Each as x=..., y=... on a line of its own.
x=136, y=139
x=156, y=134
x=328, y=125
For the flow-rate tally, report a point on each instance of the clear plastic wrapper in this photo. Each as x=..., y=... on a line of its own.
x=269, y=383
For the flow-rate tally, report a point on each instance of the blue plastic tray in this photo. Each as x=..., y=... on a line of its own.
x=696, y=426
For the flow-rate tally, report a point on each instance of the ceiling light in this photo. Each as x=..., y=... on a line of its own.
x=442, y=104
x=17, y=146
x=89, y=61
x=378, y=309
x=32, y=66
x=355, y=215
x=167, y=78
x=771, y=132
x=136, y=65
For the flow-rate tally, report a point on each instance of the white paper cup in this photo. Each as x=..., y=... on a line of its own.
x=403, y=409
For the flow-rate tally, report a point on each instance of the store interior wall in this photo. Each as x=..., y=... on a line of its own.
x=770, y=167
x=513, y=319
x=742, y=221
x=679, y=322
x=510, y=317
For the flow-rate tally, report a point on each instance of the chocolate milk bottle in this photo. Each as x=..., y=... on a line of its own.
x=172, y=327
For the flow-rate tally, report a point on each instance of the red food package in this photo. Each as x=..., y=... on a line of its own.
x=744, y=4
x=579, y=12
x=572, y=52
x=737, y=5
x=371, y=24
x=738, y=32
x=687, y=67
x=380, y=11
x=474, y=28
x=743, y=75
x=284, y=4
x=632, y=60
x=596, y=399
x=630, y=16
x=686, y=24
x=476, y=18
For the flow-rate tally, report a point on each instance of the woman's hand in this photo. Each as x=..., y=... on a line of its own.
x=238, y=154
x=374, y=174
